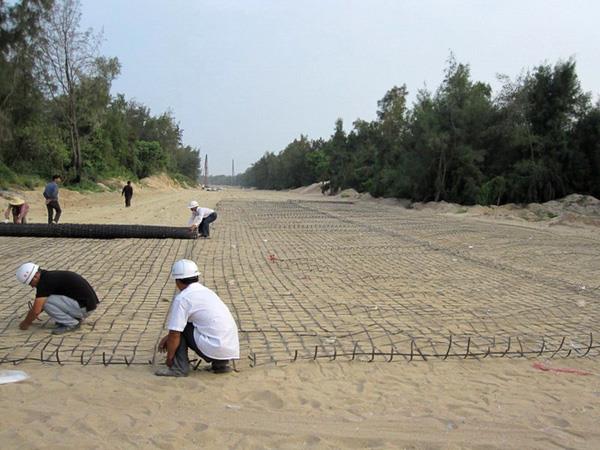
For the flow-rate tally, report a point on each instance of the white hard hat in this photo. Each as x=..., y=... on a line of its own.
x=184, y=268
x=26, y=272
x=193, y=204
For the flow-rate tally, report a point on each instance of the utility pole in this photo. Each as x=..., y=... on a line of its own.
x=206, y=170
x=232, y=171
x=199, y=178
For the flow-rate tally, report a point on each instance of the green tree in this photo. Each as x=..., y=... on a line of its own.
x=533, y=146
x=22, y=122
x=452, y=136
x=339, y=157
x=390, y=160
x=151, y=158
x=585, y=167
x=187, y=162
x=66, y=56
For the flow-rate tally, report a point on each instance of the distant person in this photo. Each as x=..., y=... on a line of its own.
x=65, y=296
x=201, y=219
x=51, y=196
x=198, y=319
x=128, y=193
x=19, y=210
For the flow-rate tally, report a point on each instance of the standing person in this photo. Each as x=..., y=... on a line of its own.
x=201, y=219
x=51, y=196
x=128, y=193
x=19, y=210
x=65, y=296
x=199, y=320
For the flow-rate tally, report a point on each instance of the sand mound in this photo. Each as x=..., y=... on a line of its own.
x=5, y=194
x=570, y=218
x=574, y=203
x=349, y=193
x=440, y=207
x=574, y=210
x=161, y=181
x=389, y=201
x=314, y=188
x=480, y=210
x=112, y=184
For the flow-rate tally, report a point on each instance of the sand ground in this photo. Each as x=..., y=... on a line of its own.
x=450, y=264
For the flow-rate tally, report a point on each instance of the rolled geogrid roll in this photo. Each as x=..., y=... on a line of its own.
x=95, y=231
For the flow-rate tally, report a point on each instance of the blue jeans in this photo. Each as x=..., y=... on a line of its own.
x=204, y=229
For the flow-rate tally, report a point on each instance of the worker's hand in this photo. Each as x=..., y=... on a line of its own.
x=162, y=345
x=5, y=221
x=194, y=227
x=24, y=325
x=48, y=201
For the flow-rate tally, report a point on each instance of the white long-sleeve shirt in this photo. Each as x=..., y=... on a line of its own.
x=198, y=215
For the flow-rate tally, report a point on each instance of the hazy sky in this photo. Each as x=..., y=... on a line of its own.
x=248, y=76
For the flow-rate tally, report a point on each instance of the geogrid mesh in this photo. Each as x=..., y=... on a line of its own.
x=328, y=280
x=131, y=278
x=364, y=281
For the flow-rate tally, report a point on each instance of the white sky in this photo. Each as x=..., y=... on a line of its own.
x=249, y=76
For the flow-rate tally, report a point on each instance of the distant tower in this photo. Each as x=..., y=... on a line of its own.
x=199, y=179
x=205, y=170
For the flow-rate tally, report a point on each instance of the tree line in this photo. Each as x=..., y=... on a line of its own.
x=536, y=140
x=57, y=115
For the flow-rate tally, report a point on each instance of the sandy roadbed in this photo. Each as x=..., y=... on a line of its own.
x=301, y=272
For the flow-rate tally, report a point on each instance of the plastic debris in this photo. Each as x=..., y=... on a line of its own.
x=12, y=376
x=544, y=368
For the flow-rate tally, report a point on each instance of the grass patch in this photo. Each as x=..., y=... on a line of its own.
x=9, y=179
x=84, y=186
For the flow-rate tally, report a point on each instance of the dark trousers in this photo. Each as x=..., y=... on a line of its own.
x=181, y=362
x=127, y=201
x=52, y=206
x=204, y=229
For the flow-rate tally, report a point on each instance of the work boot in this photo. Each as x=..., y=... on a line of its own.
x=221, y=366
x=169, y=372
x=62, y=328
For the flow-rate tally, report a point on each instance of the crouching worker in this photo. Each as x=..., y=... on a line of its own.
x=65, y=296
x=199, y=320
x=19, y=210
x=201, y=219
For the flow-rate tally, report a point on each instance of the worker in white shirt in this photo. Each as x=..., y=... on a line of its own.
x=198, y=319
x=201, y=219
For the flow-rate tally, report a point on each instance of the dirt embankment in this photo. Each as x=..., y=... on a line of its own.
x=573, y=210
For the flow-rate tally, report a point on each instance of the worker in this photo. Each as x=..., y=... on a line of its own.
x=65, y=296
x=51, y=196
x=19, y=210
x=201, y=219
x=198, y=319
x=128, y=193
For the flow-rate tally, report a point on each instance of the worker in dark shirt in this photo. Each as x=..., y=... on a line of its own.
x=128, y=193
x=65, y=296
x=51, y=196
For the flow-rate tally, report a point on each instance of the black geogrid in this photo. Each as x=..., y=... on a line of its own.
x=323, y=280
